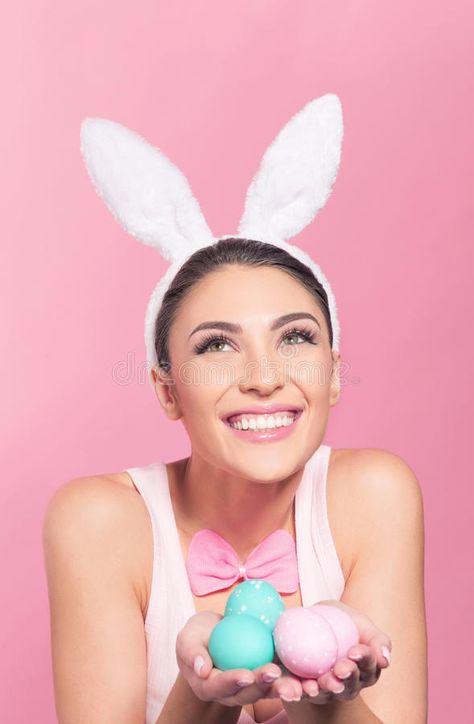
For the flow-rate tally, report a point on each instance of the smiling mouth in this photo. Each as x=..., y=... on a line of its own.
x=263, y=423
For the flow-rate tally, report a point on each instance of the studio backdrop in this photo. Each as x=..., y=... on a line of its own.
x=211, y=83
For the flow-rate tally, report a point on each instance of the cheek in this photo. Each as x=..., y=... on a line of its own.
x=312, y=374
x=197, y=397
x=217, y=373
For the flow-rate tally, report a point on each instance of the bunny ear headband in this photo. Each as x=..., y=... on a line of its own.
x=151, y=198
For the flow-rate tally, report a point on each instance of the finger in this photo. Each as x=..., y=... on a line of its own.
x=192, y=640
x=265, y=678
x=323, y=697
x=202, y=664
x=382, y=647
x=366, y=662
x=248, y=694
x=288, y=687
x=266, y=675
x=229, y=683
x=222, y=686
x=349, y=674
x=362, y=655
x=310, y=688
x=252, y=684
x=371, y=635
x=194, y=656
x=344, y=668
x=330, y=683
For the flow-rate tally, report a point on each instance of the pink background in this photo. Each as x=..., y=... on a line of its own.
x=211, y=83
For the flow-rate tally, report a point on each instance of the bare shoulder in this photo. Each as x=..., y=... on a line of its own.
x=363, y=485
x=372, y=465
x=102, y=498
x=104, y=509
x=373, y=473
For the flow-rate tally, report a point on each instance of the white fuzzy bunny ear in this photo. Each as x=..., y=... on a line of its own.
x=296, y=173
x=143, y=189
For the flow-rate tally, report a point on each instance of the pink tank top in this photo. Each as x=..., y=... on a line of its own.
x=171, y=601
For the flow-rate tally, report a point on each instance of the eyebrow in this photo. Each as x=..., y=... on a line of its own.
x=237, y=329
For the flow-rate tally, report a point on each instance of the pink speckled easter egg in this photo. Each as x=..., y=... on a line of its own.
x=342, y=625
x=304, y=642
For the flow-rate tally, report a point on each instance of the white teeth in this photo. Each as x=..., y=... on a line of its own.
x=263, y=422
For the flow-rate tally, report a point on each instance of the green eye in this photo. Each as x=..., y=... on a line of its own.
x=207, y=342
x=304, y=333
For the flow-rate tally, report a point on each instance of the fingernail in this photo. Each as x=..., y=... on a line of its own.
x=244, y=682
x=346, y=675
x=286, y=697
x=356, y=657
x=340, y=690
x=313, y=689
x=198, y=664
x=268, y=678
x=386, y=654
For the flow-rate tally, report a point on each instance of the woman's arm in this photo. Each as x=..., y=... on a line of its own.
x=386, y=584
x=97, y=630
x=387, y=581
x=92, y=538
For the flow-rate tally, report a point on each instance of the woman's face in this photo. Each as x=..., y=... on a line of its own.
x=257, y=359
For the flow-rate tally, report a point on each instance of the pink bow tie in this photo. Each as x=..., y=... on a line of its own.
x=213, y=564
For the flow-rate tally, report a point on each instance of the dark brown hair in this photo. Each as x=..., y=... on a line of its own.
x=232, y=250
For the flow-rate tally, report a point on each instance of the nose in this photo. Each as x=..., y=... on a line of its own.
x=262, y=374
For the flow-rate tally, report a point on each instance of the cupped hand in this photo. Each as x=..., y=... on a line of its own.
x=360, y=668
x=212, y=684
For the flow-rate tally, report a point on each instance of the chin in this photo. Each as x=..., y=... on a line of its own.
x=265, y=468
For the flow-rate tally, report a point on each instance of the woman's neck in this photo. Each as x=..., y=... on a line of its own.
x=241, y=511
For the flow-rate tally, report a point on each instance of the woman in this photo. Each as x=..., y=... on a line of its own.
x=243, y=329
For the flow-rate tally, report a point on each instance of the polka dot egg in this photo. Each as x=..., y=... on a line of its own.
x=257, y=598
x=343, y=626
x=305, y=642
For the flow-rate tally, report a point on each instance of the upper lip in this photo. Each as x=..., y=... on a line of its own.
x=263, y=410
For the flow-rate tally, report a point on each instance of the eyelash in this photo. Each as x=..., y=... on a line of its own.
x=307, y=335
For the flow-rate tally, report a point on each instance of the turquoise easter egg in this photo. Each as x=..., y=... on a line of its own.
x=258, y=598
x=240, y=642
